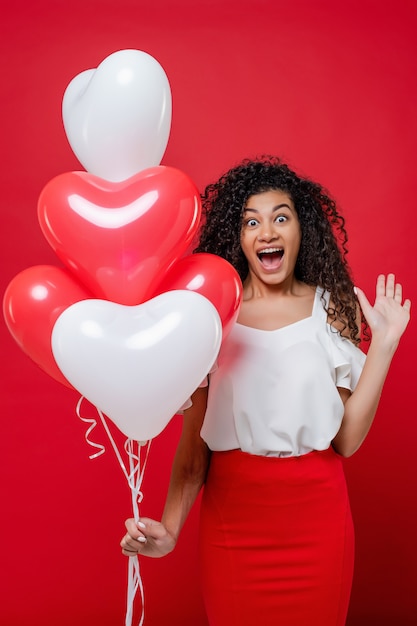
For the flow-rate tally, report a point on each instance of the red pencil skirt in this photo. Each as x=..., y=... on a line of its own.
x=276, y=540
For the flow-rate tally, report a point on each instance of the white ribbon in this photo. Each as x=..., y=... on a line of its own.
x=93, y=424
x=134, y=479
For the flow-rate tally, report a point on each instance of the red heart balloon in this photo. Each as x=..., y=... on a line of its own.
x=212, y=277
x=119, y=238
x=32, y=303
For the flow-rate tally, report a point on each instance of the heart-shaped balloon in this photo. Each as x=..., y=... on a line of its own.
x=119, y=238
x=117, y=117
x=138, y=364
x=32, y=303
x=212, y=277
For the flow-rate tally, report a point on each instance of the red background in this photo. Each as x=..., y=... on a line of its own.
x=328, y=86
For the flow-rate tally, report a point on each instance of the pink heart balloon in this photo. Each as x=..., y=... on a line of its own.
x=119, y=238
x=138, y=364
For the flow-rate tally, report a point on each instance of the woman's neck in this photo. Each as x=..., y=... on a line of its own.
x=254, y=288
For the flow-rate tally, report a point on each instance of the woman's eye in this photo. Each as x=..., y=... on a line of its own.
x=251, y=222
x=281, y=219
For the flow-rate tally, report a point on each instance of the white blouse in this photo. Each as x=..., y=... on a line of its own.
x=274, y=393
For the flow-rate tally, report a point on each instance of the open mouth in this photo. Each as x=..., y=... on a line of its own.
x=271, y=257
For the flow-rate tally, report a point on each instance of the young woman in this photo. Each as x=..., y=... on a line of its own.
x=291, y=395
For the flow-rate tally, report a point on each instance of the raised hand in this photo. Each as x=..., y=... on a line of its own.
x=389, y=316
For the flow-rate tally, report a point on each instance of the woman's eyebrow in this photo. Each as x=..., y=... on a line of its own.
x=275, y=208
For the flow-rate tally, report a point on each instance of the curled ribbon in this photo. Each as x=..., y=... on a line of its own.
x=134, y=476
x=93, y=424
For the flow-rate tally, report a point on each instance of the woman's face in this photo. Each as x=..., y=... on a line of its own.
x=271, y=236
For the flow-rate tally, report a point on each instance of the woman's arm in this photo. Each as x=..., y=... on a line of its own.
x=387, y=319
x=189, y=469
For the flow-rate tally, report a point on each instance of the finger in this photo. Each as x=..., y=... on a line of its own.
x=398, y=293
x=132, y=542
x=152, y=529
x=390, y=286
x=380, y=286
x=130, y=525
x=407, y=305
x=363, y=301
x=135, y=528
x=129, y=552
x=145, y=528
x=131, y=546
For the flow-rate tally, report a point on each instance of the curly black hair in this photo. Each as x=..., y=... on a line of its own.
x=322, y=256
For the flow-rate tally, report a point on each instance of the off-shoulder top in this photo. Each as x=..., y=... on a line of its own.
x=275, y=393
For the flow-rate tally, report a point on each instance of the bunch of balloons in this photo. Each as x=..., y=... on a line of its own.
x=129, y=320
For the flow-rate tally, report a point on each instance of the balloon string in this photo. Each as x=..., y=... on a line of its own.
x=134, y=479
x=136, y=471
x=135, y=482
x=93, y=424
x=134, y=583
x=113, y=444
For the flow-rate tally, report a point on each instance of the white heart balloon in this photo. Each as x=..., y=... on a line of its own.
x=138, y=364
x=117, y=117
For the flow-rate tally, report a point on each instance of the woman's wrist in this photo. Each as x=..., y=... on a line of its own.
x=384, y=344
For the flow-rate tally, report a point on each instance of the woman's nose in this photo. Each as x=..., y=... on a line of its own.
x=267, y=233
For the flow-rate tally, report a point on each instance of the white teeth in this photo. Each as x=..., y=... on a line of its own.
x=270, y=250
